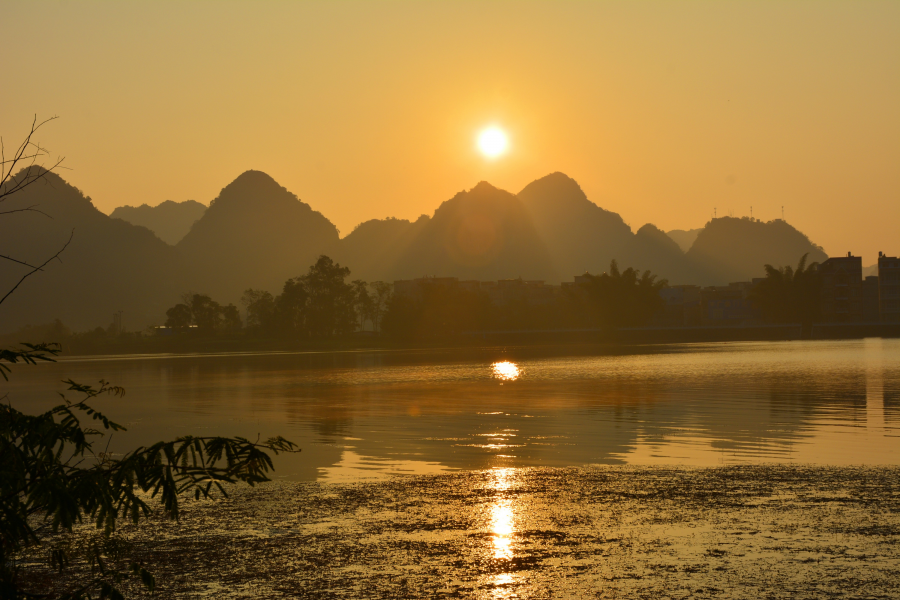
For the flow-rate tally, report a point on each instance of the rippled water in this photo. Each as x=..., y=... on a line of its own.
x=368, y=414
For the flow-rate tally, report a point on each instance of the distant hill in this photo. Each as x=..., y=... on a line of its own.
x=110, y=265
x=650, y=248
x=258, y=234
x=484, y=233
x=579, y=235
x=684, y=237
x=374, y=249
x=254, y=234
x=732, y=249
x=170, y=221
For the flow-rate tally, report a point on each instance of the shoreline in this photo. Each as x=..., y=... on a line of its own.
x=227, y=344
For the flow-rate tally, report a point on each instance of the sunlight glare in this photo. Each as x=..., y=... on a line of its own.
x=502, y=528
x=502, y=518
x=505, y=370
x=492, y=142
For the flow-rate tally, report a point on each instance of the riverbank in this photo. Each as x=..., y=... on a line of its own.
x=596, y=532
x=196, y=343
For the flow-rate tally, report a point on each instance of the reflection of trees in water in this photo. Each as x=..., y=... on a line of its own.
x=761, y=415
x=797, y=397
x=429, y=406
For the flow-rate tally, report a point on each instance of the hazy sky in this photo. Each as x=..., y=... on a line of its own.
x=661, y=111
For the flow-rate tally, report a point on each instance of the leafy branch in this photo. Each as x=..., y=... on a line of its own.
x=52, y=481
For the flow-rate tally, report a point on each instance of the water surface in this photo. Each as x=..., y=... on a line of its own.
x=369, y=414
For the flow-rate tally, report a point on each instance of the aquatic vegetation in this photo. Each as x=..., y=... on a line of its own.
x=623, y=532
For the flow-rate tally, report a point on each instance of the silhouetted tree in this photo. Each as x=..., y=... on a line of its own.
x=26, y=157
x=179, y=317
x=381, y=295
x=624, y=298
x=204, y=312
x=790, y=295
x=52, y=479
x=230, y=317
x=290, y=307
x=362, y=302
x=330, y=300
x=260, y=307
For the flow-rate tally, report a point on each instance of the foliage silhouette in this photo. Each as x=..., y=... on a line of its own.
x=624, y=298
x=52, y=480
x=788, y=295
x=204, y=313
x=316, y=305
x=27, y=155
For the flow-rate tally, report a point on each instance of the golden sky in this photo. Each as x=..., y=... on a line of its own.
x=661, y=111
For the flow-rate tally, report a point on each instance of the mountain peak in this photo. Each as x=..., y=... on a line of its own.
x=558, y=186
x=482, y=187
x=729, y=248
x=251, y=184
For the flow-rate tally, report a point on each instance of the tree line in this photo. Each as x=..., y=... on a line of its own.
x=322, y=303
x=319, y=304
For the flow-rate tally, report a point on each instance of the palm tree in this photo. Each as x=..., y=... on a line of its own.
x=789, y=295
x=625, y=298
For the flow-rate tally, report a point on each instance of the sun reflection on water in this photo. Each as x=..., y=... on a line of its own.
x=505, y=370
x=502, y=518
x=503, y=528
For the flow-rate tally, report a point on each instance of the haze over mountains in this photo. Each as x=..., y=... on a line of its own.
x=109, y=265
x=258, y=234
x=684, y=237
x=170, y=221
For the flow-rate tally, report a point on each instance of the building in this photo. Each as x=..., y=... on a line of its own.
x=889, y=288
x=682, y=306
x=842, y=298
x=728, y=305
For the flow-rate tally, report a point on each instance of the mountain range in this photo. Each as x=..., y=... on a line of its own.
x=258, y=234
x=170, y=221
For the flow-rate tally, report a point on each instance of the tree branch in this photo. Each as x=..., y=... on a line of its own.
x=10, y=258
x=21, y=154
x=28, y=209
x=36, y=269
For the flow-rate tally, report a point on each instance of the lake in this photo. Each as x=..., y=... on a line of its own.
x=367, y=415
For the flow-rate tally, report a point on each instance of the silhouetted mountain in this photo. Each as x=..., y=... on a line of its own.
x=484, y=234
x=110, y=265
x=579, y=235
x=373, y=250
x=258, y=234
x=254, y=234
x=684, y=237
x=731, y=249
x=650, y=248
x=170, y=221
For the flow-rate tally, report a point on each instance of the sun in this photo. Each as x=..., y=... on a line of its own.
x=492, y=142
